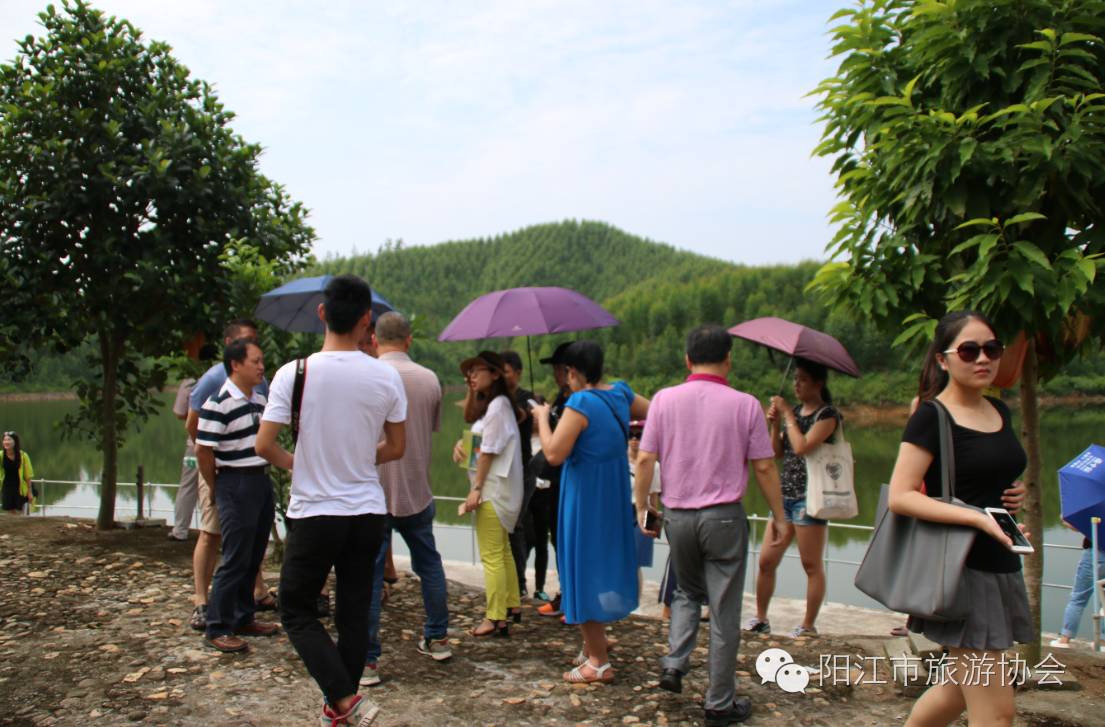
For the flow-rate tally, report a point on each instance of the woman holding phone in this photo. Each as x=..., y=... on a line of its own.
x=796, y=432
x=960, y=365
x=496, y=492
x=596, y=554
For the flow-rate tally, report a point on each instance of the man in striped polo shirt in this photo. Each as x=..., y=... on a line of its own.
x=225, y=453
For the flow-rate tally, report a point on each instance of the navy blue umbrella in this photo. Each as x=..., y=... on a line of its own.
x=1082, y=491
x=294, y=306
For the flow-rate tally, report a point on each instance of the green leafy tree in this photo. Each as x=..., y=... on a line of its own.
x=122, y=187
x=968, y=143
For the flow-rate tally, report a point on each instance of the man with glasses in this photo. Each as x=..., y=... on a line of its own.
x=243, y=495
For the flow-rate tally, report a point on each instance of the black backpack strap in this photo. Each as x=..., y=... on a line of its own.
x=618, y=419
x=297, y=396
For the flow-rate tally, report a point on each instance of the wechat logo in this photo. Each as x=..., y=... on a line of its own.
x=776, y=665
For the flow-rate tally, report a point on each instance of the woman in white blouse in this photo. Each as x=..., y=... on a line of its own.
x=496, y=482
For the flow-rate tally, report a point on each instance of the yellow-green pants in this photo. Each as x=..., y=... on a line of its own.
x=500, y=578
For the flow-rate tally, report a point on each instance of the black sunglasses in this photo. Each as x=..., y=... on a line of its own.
x=969, y=350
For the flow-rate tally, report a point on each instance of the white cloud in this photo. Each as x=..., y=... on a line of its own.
x=683, y=122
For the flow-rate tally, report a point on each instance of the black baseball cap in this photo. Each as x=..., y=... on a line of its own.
x=557, y=355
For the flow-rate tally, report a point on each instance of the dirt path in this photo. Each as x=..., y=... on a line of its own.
x=93, y=631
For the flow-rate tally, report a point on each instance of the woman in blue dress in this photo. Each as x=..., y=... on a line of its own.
x=596, y=553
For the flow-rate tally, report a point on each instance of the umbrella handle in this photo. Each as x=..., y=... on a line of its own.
x=529, y=362
x=786, y=374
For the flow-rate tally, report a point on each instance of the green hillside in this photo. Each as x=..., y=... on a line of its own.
x=657, y=291
x=596, y=259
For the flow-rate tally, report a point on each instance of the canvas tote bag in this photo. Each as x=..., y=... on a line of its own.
x=915, y=566
x=830, y=479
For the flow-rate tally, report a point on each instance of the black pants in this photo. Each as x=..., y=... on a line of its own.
x=244, y=500
x=315, y=544
x=520, y=541
x=543, y=512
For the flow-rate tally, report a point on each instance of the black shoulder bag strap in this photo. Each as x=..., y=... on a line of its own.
x=297, y=396
x=618, y=419
x=947, y=452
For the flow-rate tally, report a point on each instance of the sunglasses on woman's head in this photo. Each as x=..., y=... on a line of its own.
x=969, y=350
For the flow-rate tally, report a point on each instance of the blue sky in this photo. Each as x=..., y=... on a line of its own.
x=683, y=122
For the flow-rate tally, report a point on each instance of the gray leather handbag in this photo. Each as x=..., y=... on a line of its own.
x=915, y=566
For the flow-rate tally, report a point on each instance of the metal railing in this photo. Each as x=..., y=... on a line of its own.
x=754, y=542
x=149, y=510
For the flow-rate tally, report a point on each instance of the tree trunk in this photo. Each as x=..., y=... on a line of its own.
x=109, y=355
x=1032, y=512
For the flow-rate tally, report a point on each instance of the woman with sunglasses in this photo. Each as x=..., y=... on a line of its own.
x=496, y=492
x=596, y=552
x=17, y=473
x=960, y=365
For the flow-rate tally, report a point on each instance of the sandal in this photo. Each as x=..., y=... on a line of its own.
x=603, y=674
x=268, y=603
x=581, y=657
x=501, y=631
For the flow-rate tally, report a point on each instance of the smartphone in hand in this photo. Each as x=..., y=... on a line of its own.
x=1009, y=527
x=652, y=523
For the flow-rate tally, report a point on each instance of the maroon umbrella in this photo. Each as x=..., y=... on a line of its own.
x=797, y=340
x=526, y=312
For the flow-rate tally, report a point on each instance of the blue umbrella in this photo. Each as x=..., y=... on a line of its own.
x=1082, y=491
x=294, y=306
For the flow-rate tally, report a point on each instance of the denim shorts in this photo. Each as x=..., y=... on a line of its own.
x=794, y=509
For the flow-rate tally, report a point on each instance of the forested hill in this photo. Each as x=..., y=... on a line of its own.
x=598, y=260
x=657, y=291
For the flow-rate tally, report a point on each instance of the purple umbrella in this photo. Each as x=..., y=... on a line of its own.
x=526, y=312
x=796, y=340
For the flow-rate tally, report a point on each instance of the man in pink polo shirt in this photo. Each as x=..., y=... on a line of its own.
x=704, y=434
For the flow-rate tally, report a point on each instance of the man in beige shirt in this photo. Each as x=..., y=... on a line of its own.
x=410, y=502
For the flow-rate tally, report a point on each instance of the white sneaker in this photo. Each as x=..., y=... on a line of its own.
x=437, y=649
x=371, y=676
x=1057, y=644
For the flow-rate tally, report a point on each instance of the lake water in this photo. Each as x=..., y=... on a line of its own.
x=159, y=445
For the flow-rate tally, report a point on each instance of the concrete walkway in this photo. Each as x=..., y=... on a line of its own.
x=784, y=615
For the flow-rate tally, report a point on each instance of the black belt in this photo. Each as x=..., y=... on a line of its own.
x=257, y=469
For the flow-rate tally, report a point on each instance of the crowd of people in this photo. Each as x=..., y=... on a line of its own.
x=597, y=473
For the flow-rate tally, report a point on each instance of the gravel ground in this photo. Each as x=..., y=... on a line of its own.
x=93, y=630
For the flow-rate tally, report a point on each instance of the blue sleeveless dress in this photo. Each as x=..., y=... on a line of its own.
x=596, y=555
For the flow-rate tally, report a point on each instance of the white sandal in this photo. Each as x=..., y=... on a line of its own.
x=603, y=673
x=581, y=657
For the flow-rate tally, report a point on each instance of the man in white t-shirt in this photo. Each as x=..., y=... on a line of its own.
x=336, y=513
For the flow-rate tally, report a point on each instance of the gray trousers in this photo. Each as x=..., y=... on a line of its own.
x=709, y=552
x=186, y=496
